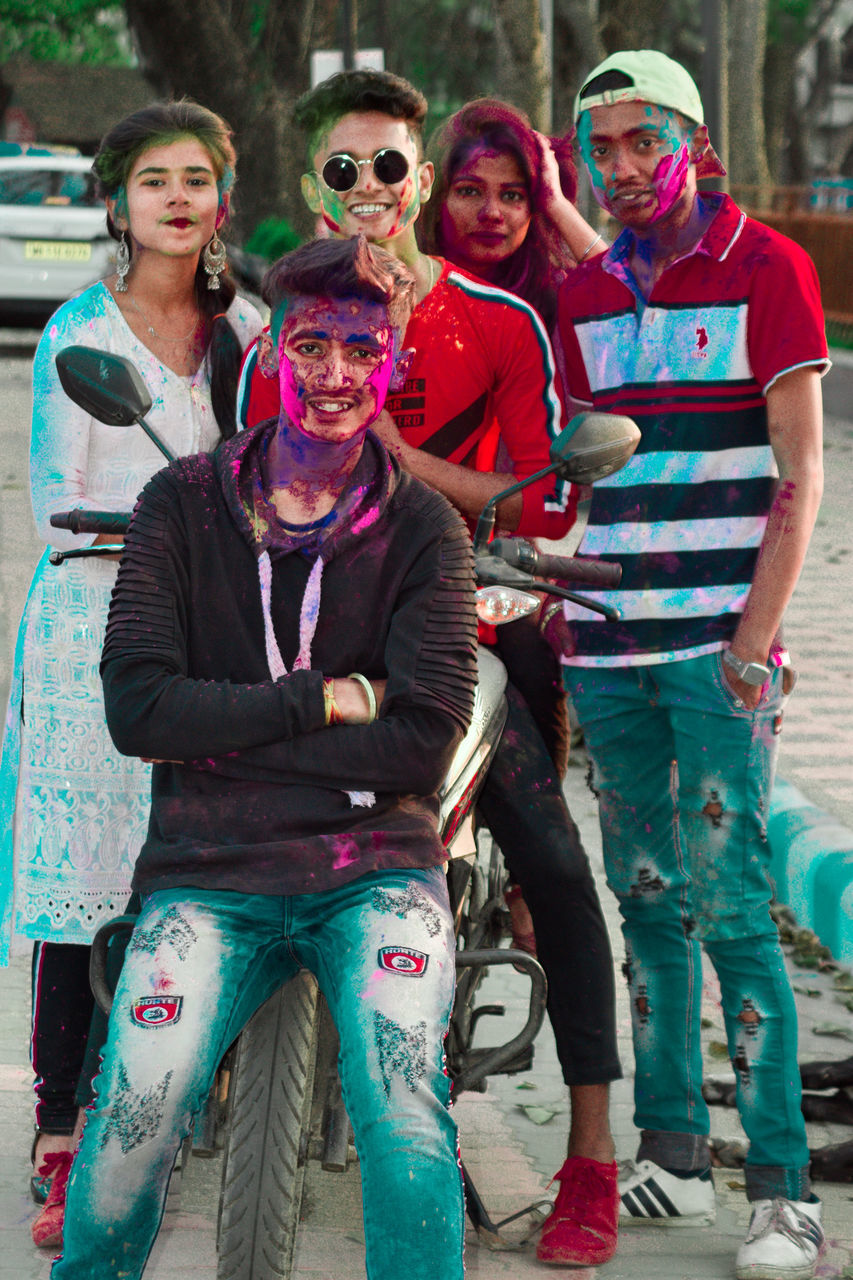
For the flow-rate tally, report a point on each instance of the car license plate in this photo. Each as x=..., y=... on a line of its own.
x=57, y=251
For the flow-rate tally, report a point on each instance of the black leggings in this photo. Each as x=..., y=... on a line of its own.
x=62, y=1012
x=523, y=806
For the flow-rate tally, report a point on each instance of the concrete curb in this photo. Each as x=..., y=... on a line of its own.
x=811, y=861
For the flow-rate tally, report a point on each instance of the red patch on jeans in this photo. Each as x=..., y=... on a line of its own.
x=412, y=964
x=156, y=1011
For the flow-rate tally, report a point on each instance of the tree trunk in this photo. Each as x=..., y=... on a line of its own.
x=577, y=49
x=208, y=50
x=747, y=158
x=520, y=23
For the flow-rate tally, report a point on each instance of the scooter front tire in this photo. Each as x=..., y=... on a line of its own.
x=267, y=1135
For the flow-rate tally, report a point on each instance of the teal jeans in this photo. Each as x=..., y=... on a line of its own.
x=198, y=965
x=683, y=774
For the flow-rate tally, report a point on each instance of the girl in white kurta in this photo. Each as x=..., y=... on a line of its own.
x=75, y=812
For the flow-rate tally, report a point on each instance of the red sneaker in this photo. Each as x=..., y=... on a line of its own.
x=581, y=1230
x=47, y=1228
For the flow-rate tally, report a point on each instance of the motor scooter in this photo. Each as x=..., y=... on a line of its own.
x=276, y=1101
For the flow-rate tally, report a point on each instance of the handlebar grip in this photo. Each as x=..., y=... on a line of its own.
x=593, y=573
x=82, y=521
x=523, y=555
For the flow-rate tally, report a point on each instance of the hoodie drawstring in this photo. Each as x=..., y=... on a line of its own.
x=309, y=611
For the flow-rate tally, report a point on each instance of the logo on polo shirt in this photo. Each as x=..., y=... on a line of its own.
x=698, y=352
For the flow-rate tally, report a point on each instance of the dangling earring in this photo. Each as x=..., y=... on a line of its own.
x=213, y=260
x=122, y=263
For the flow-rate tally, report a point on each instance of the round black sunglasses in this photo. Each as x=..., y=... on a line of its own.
x=340, y=172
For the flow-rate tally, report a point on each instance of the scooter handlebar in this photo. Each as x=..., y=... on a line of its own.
x=524, y=555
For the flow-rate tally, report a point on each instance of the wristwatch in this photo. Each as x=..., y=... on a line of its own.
x=748, y=672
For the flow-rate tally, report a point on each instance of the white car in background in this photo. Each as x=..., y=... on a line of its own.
x=53, y=232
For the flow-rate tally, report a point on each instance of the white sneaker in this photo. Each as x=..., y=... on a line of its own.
x=784, y=1241
x=648, y=1194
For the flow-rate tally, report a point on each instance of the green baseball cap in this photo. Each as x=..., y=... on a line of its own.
x=654, y=78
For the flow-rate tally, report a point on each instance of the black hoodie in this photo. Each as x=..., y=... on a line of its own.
x=260, y=802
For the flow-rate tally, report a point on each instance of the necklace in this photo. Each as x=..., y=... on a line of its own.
x=154, y=332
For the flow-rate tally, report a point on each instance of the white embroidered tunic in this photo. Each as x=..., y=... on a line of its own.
x=74, y=812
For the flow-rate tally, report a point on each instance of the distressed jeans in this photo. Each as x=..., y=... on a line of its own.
x=198, y=965
x=683, y=774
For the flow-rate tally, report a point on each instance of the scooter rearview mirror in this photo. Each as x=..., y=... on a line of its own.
x=593, y=446
x=109, y=387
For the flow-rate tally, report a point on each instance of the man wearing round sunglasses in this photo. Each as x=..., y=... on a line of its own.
x=483, y=363
x=478, y=410
x=341, y=172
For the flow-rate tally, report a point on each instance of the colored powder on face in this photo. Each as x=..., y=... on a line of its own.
x=380, y=380
x=670, y=174
x=669, y=179
x=333, y=207
x=291, y=394
x=584, y=132
x=408, y=206
x=339, y=319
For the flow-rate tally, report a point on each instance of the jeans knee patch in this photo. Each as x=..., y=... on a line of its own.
x=713, y=809
x=135, y=1117
x=401, y=902
x=641, y=1006
x=172, y=928
x=402, y=1051
x=749, y=1021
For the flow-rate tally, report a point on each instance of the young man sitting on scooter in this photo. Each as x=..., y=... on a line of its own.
x=292, y=638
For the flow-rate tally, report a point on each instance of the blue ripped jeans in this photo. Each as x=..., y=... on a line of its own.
x=685, y=852
x=198, y=965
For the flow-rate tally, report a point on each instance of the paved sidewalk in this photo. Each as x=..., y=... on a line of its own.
x=510, y=1158
x=817, y=740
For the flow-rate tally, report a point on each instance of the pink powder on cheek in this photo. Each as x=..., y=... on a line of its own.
x=408, y=206
x=330, y=222
x=380, y=381
x=291, y=397
x=669, y=179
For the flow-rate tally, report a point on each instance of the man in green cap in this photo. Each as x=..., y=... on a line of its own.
x=705, y=327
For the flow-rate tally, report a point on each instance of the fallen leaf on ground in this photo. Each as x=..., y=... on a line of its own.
x=832, y=1029
x=537, y=1114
